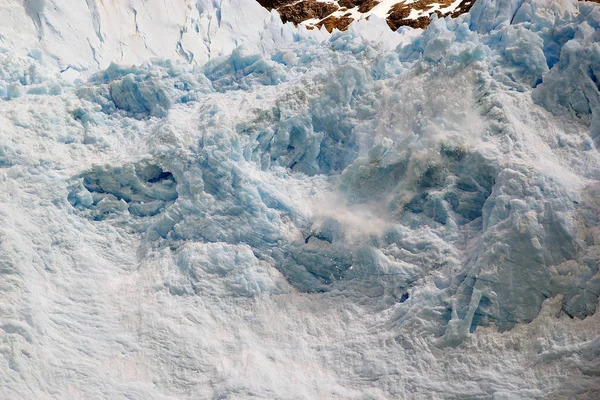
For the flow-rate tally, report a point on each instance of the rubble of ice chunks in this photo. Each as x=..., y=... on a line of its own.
x=538, y=40
x=432, y=192
x=142, y=189
x=221, y=270
x=487, y=16
x=151, y=89
x=470, y=178
x=21, y=75
x=222, y=197
x=378, y=267
x=144, y=91
x=579, y=278
x=315, y=265
x=500, y=287
x=283, y=135
x=523, y=60
x=347, y=100
x=313, y=134
x=385, y=260
x=551, y=46
x=451, y=186
x=552, y=22
x=573, y=85
x=447, y=41
x=232, y=205
x=529, y=237
x=243, y=69
x=380, y=172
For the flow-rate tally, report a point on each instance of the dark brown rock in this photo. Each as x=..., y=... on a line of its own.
x=363, y=5
x=340, y=23
x=304, y=10
x=271, y=4
x=399, y=12
x=464, y=7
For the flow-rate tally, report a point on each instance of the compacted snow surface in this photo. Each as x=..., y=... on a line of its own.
x=268, y=212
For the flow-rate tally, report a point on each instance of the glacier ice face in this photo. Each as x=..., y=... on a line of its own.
x=127, y=32
x=308, y=215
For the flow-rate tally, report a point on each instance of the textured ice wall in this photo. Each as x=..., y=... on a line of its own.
x=328, y=219
x=80, y=35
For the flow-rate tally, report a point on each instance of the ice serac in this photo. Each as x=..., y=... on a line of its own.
x=362, y=214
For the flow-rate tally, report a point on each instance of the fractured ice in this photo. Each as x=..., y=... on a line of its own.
x=422, y=219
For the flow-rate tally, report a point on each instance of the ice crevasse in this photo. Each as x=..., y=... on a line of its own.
x=199, y=201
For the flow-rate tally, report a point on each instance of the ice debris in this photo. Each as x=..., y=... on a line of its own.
x=445, y=188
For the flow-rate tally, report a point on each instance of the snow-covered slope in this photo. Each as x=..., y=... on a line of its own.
x=309, y=215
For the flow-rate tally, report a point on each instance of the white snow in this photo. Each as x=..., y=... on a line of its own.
x=382, y=9
x=292, y=214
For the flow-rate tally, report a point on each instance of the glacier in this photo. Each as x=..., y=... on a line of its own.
x=199, y=201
